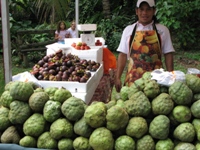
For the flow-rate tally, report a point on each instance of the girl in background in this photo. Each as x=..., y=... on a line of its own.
x=61, y=33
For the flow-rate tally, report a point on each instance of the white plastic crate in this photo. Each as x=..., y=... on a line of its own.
x=86, y=27
x=69, y=85
x=95, y=54
x=69, y=41
x=74, y=87
x=86, y=97
x=99, y=75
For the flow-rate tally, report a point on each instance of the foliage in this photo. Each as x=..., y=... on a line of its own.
x=182, y=17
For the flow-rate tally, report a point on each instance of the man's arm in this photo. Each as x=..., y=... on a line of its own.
x=121, y=63
x=169, y=61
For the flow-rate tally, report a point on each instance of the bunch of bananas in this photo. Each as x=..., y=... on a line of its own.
x=151, y=39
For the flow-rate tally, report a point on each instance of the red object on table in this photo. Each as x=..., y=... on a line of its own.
x=109, y=60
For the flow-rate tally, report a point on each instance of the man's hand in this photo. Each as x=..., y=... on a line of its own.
x=118, y=85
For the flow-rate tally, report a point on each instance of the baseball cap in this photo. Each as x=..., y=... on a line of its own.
x=150, y=2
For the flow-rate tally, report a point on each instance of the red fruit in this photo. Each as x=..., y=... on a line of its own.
x=78, y=47
x=73, y=45
x=84, y=44
x=87, y=47
x=82, y=47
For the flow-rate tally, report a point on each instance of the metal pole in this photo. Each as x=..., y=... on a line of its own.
x=77, y=16
x=6, y=41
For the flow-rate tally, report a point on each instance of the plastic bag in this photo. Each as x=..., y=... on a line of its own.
x=193, y=71
x=109, y=60
x=167, y=78
x=26, y=77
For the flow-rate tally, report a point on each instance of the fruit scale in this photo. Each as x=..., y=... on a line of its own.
x=87, y=36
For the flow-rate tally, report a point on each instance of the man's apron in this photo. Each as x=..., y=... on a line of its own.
x=145, y=54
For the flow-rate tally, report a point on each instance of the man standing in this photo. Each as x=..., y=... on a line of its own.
x=143, y=44
x=72, y=30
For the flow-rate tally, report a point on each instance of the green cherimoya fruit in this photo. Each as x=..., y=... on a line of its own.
x=162, y=104
x=197, y=145
x=138, y=105
x=6, y=99
x=111, y=103
x=45, y=141
x=117, y=96
x=180, y=93
x=159, y=127
x=121, y=104
x=37, y=101
x=28, y=141
x=61, y=95
x=34, y=125
x=173, y=121
x=19, y=112
x=185, y=132
x=61, y=128
x=101, y=139
x=196, y=124
x=51, y=91
x=182, y=113
x=116, y=118
x=21, y=91
x=8, y=86
x=196, y=97
x=10, y=135
x=145, y=143
x=137, y=127
x=52, y=110
x=73, y=108
x=184, y=146
x=81, y=143
x=124, y=93
x=124, y=142
x=82, y=128
x=95, y=115
x=195, y=109
x=166, y=144
x=33, y=84
x=147, y=75
x=5, y=122
x=65, y=144
x=140, y=84
x=151, y=89
x=132, y=89
x=193, y=82
x=164, y=89
x=39, y=89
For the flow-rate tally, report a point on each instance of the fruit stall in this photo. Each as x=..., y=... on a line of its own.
x=70, y=108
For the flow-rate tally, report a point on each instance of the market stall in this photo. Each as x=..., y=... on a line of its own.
x=93, y=49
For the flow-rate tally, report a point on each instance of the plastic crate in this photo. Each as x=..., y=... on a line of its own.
x=95, y=54
x=86, y=97
x=74, y=87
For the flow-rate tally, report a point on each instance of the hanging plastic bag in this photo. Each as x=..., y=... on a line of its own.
x=109, y=60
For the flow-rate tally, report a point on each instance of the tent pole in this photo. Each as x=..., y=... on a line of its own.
x=6, y=41
x=77, y=16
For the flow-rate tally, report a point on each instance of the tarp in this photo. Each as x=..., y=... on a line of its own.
x=17, y=147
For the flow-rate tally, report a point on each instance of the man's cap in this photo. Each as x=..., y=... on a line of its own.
x=150, y=2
